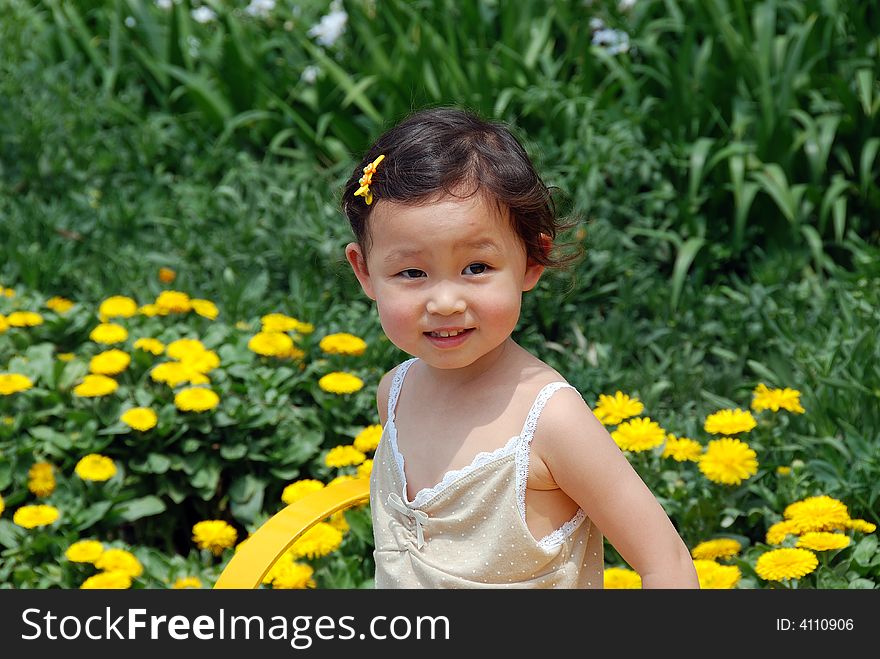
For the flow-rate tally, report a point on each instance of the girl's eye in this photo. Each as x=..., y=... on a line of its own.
x=411, y=273
x=477, y=268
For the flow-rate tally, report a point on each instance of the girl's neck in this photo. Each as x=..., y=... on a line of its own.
x=488, y=368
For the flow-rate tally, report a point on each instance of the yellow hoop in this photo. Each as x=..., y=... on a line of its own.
x=255, y=558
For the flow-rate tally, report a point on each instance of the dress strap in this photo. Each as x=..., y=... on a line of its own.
x=525, y=440
x=396, y=384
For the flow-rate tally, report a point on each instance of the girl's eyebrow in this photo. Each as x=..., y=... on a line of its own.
x=485, y=244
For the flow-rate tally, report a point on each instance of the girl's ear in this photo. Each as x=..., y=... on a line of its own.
x=534, y=270
x=359, y=264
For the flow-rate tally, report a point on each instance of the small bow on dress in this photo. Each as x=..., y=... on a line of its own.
x=419, y=517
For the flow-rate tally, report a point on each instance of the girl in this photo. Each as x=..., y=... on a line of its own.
x=492, y=471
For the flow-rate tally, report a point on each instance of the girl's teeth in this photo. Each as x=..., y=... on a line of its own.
x=445, y=334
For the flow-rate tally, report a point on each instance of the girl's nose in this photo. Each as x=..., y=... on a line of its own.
x=445, y=300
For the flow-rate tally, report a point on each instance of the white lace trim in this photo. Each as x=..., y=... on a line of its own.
x=522, y=467
x=426, y=494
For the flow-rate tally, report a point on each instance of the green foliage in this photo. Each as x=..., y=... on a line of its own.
x=723, y=166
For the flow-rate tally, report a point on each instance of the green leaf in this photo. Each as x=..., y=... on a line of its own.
x=92, y=515
x=865, y=550
x=10, y=533
x=138, y=508
x=683, y=260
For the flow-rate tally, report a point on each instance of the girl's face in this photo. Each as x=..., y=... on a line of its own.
x=454, y=266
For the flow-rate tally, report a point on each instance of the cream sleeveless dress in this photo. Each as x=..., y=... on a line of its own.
x=469, y=530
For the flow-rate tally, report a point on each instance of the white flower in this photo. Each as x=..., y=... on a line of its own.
x=203, y=14
x=626, y=5
x=614, y=41
x=260, y=8
x=310, y=74
x=331, y=26
x=129, y=21
x=596, y=23
x=164, y=4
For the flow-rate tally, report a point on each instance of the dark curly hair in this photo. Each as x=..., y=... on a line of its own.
x=446, y=151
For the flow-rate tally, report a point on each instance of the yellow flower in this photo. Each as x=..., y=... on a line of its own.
x=2, y=504
x=95, y=467
x=173, y=302
x=783, y=471
x=289, y=574
x=109, y=333
x=368, y=439
x=621, y=578
x=343, y=343
x=777, y=532
x=279, y=322
x=167, y=275
x=41, y=480
x=183, y=348
x=4, y=326
x=367, y=179
x=717, y=548
x=115, y=580
x=84, y=551
x=66, y=356
x=337, y=521
x=120, y=560
x=8, y=292
x=205, y=308
x=728, y=461
x=365, y=469
x=24, y=319
x=117, y=306
x=318, y=541
x=730, y=422
x=271, y=344
x=139, y=418
x=611, y=410
x=110, y=362
x=196, y=399
x=861, y=525
x=819, y=513
x=343, y=456
x=823, y=540
x=214, y=535
x=776, y=399
x=175, y=373
x=187, y=582
x=11, y=383
x=340, y=383
x=203, y=362
x=149, y=310
x=786, y=563
x=640, y=434
x=95, y=385
x=59, y=304
x=715, y=576
x=682, y=449
x=299, y=489
x=295, y=353
x=37, y=515
x=153, y=346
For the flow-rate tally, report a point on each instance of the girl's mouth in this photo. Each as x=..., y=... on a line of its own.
x=452, y=339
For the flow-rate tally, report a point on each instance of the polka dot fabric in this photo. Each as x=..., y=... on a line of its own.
x=469, y=531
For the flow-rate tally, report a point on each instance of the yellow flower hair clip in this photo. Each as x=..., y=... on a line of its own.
x=367, y=179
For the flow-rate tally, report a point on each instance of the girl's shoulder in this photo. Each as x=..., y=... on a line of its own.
x=383, y=391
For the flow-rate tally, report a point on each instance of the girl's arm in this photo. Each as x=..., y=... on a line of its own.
x=589, y=467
